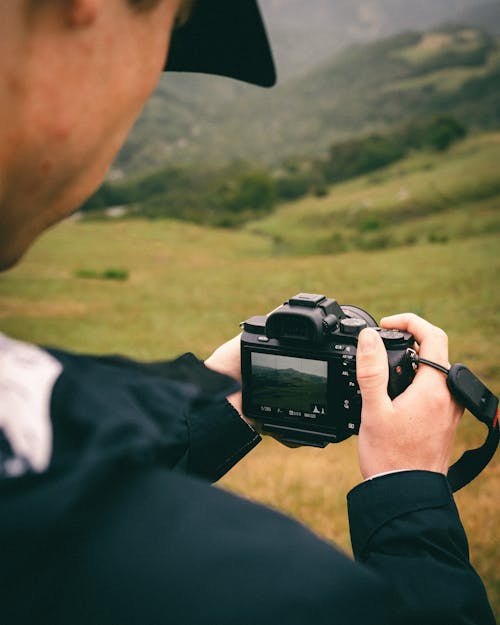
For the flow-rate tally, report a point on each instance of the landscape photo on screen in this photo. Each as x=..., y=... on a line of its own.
x=288, y=383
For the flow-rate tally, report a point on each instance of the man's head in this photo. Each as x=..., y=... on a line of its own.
x=75, y=74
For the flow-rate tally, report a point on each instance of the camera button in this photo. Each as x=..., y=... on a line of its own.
x=392, y=336
x=263, y=339
x=352, y=325
x=348, y=376
x=351, y=404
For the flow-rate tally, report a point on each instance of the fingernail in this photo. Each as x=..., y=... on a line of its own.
x=367, y=341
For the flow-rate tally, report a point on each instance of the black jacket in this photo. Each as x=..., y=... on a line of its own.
x=123, y=527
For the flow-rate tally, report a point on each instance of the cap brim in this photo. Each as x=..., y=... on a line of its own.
x=224, y=37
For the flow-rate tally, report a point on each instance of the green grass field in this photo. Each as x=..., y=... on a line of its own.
x=189, y=287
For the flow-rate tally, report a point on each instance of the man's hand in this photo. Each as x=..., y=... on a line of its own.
x=226, y=359
x=416, y=430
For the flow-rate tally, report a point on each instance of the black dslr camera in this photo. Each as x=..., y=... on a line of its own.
x=299, y=369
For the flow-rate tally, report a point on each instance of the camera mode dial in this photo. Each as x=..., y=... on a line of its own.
x=352, y=325
x=390, y=337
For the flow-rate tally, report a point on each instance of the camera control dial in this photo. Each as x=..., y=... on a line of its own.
x=391, y=336
x=352, y=325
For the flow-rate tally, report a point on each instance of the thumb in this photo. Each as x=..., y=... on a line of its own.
x=372, y=371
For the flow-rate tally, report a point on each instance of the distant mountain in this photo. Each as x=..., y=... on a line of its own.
x=371, y=87
x=193, y=118
x=305, y=32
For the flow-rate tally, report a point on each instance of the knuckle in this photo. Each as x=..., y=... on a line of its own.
x=440, y=335
x=370, y=375
x=412, y=319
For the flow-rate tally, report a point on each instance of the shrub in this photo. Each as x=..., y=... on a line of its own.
x=371, y=224
x=351, y=158
x=442, y=131
x=113, y=273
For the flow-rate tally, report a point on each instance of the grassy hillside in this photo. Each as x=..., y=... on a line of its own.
x=188, y=287
x=453, y=70
x=428, y=197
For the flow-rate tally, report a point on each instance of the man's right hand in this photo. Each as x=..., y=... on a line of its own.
x=415, y=430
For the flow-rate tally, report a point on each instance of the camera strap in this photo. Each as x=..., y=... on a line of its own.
x=472, y=394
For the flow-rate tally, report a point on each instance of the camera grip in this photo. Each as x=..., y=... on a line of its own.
x=401, y=372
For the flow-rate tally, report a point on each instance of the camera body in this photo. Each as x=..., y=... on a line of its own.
x=299, y=369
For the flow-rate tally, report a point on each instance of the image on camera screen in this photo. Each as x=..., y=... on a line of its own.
x=289, y=385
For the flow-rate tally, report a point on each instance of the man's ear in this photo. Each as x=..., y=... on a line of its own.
x=82, y=13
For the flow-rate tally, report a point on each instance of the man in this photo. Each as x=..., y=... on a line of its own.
x=105, y=511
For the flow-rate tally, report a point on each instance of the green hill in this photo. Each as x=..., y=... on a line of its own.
x=427, y=197
x=421, y=195
x=367, y=87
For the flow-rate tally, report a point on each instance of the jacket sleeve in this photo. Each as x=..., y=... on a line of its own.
x=405, y=526
x=108, y=409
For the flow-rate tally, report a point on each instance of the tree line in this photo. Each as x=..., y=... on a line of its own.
x=228, y=196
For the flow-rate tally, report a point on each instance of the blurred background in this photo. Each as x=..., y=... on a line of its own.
x=371, y=173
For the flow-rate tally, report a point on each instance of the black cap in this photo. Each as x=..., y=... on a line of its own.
x=225, y=37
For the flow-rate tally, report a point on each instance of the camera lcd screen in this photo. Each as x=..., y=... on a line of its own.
x=286, y=386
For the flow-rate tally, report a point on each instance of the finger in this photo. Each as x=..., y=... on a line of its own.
x=432, y=340
x=372, y=372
